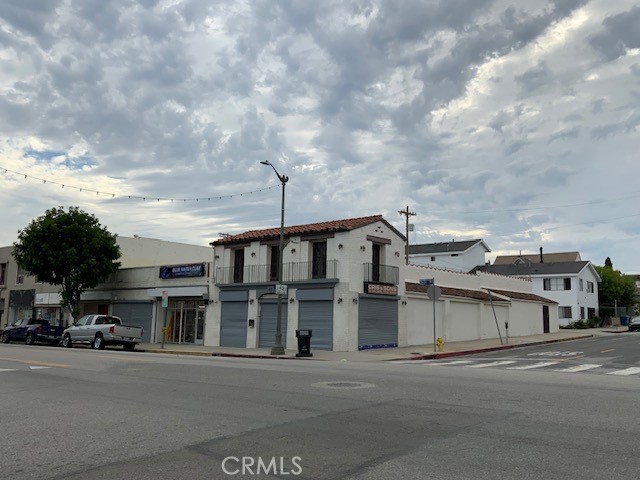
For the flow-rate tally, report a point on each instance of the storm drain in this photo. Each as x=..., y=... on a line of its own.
x=349, y=385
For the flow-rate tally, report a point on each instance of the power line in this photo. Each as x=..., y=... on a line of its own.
x=135, y=197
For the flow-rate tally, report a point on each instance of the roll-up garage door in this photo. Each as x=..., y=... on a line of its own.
x=317, y=316
x=135, y=314
x=267, y=324
x=233, y=325
x=377, y=323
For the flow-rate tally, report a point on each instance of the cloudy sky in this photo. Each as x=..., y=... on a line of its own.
x=517, y=122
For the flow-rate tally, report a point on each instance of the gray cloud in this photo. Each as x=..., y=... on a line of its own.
x=367, y=105
x=620, y=33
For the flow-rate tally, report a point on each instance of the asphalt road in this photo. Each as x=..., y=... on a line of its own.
x=87, y=414
x=617, y=354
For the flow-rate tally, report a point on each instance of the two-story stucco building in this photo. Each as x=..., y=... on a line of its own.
x=342, y=278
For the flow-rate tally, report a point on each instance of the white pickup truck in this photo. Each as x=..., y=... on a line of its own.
x=102, y=330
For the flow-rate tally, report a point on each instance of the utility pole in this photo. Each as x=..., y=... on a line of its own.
x=406, y=213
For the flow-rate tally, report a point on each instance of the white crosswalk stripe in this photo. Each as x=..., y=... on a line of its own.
x=37, y=367
x=519, y=364
x=492, y=364
x=7, y=369
x=626, y=371
x=532, y=366
x=579, y=368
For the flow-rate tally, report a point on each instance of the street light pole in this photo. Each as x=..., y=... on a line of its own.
x=278, y=348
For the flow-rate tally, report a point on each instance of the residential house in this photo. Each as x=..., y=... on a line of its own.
x=454, y=255
x=573, y=285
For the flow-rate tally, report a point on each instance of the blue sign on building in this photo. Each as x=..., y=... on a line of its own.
x=181, y=271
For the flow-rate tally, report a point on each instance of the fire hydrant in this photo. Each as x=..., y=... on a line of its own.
x=440, y=344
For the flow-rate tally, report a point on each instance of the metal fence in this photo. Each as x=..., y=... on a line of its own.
x=381, y=273
x=291, y=272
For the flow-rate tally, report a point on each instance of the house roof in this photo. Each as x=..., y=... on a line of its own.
x=455, y=292
x=523, y=296
x=558, y=268
x=445, y=247
x=333, y=226
x=535, y=258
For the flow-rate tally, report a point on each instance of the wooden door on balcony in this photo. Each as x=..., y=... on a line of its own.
x=238, y=265
x=319, y=260
x=375, y=262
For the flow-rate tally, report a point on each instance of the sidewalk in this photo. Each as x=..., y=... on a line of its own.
x=386, y=354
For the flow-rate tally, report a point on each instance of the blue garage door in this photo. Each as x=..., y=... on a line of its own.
x=267, y=325
x=377, y=323
x=317, y=316
x=135, y=314
x=233, y=325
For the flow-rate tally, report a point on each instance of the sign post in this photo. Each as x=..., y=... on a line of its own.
x=433, y=292
x=165, y=304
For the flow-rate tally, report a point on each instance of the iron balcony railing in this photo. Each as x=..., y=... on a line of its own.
x=381, y=273
x=291, y=272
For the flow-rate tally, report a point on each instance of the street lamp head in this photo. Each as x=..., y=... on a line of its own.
x=265, y=162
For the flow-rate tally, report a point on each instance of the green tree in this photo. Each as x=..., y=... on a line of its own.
x=70, y=249
x=615, y=287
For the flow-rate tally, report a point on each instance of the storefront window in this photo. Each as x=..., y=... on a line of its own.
x=185, y=321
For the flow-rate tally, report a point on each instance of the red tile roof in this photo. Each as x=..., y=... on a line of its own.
x=295, y=230
x=523, y=296
x=456, y=292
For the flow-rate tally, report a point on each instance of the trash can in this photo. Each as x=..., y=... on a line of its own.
x=624, y=320
x=304, y=343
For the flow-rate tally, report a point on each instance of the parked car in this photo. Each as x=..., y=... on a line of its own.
x=634, y=324
x=32, y=330
x=100, y=331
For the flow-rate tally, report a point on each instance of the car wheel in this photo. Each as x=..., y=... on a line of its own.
x=5, y=337
x=29, y=340
x=129, y=347
x=98, y=342
x=66, y=340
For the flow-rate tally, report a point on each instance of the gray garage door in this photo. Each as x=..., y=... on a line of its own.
x=377, y=323
x=318, y=317
x=233, y=325
x=268, y=320
x=138, y=314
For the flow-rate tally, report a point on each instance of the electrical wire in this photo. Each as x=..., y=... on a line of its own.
x=135, y=197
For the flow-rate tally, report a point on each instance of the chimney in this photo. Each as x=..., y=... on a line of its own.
x=541, y=258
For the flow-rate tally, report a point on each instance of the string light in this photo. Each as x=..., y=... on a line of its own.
x=136, y=197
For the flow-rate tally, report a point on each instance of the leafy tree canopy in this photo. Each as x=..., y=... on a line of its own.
x=615, y=287
x=70, y=249
x=607, y=263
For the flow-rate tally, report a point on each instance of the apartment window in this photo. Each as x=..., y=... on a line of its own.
x=591, y=312
x=376, y=249
x=581, y=285
x=20, y=276
x=274, y=263
x=238, y=265
x=581, y=313
x=3, y=273
x=554, y=284
x=589, y=287
x=564, y=312
x=319, y=260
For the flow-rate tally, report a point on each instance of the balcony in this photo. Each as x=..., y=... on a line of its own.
x=376, y=273
x=291, y=272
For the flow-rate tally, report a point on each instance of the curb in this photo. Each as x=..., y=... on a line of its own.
x=216, y=354
x=433, y=356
